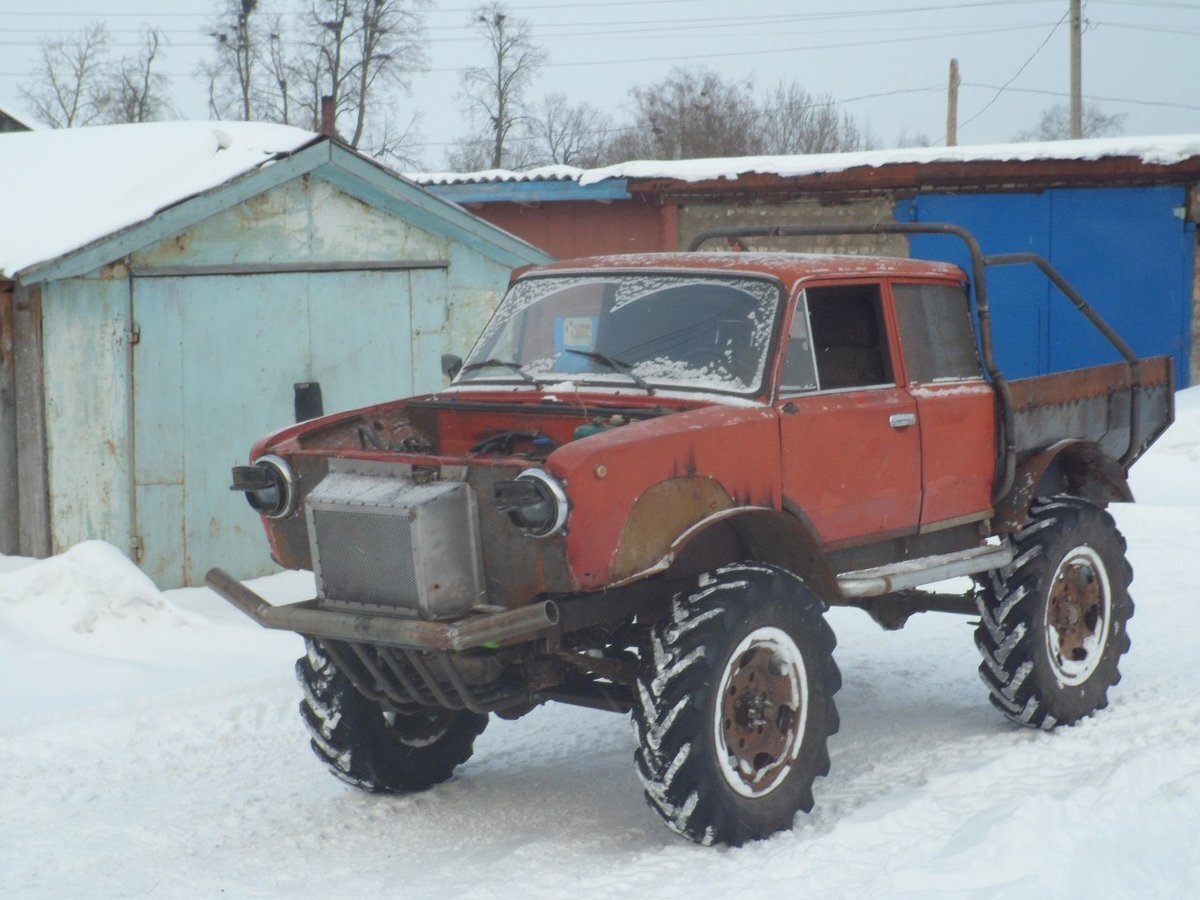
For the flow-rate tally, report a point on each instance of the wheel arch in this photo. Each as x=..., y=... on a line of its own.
x=1077, y=468
x=756, y=534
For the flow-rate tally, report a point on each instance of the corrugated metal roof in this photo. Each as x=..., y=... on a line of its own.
x=1161, y=150
x=494, y=176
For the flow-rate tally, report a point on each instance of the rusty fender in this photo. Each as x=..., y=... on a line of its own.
x=1079, y=468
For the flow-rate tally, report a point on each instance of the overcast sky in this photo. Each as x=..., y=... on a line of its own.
x=884, y=62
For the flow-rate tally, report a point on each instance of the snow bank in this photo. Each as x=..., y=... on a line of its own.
x=1169, y=473
x=63, y=189
x=91, y=584
x=152, y=747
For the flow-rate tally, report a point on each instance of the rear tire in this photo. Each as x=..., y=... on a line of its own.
x=375, y=749
x=1053, y=622
x=735, y=705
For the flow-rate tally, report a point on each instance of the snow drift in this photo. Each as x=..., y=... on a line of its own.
x=152, y=745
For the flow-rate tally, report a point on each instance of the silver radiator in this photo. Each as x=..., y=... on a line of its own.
x=385, y=543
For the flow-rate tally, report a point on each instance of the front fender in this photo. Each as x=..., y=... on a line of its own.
x=635, y=489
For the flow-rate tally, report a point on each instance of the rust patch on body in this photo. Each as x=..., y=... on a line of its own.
x=663, y=512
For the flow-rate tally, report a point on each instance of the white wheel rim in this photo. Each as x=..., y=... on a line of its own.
x=758, y=728
x=1077, y=616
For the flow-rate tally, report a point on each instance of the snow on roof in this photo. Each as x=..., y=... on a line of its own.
x=61, y=190
x=1164, y=150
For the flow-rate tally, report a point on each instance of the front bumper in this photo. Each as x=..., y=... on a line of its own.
x=487, y=629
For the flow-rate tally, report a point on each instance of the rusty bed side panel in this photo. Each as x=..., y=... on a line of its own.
x=1093, y=404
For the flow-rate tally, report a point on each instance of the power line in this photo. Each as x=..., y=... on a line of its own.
x=1002, y=88
x=1093, y=97
x=770, y=51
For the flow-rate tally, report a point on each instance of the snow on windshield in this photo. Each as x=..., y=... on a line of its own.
x=701, y=331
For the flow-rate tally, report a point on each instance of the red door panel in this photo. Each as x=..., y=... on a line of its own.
x=957, y=422
x=851, y=461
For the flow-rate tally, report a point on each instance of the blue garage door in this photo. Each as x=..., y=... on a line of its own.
x=1127, y=250
x=215, y=370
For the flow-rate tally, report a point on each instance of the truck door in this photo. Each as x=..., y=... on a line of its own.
x=955, y=406
x=850, y=445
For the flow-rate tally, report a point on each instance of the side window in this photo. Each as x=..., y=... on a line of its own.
x=936, y=333
x=849, y=336
x=799, y=369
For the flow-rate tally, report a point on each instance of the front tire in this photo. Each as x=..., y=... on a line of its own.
x=735, y=706
x=1053, y=623
x=373, y=748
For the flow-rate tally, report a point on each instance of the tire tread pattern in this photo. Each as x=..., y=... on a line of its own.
x=350, y=736
x=680, y=785
x=1011, y=605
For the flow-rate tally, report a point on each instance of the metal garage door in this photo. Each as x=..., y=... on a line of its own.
x=215, y=368
x=1128, y=251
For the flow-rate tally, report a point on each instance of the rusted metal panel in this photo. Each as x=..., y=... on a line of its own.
x=10, y=541
x=1093, y=404
x=975, y=175
x=32, y=473
x=86, y=347
x=660, y=515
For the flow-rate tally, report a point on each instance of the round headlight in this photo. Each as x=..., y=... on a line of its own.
x=278, y=500
x=535, y=501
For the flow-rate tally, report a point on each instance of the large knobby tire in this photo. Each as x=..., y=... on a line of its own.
x=1052, y=622
x=375, y=749
x=735, y=706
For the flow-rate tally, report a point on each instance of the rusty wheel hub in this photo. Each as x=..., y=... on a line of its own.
x=1077, y=615
x=759, y=719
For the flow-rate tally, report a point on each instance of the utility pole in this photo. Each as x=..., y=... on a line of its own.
x=952, y=105
x=1076, y=78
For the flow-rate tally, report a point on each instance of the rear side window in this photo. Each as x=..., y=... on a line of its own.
x=936, y=333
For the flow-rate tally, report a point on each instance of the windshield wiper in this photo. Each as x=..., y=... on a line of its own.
x=500, y=363
x=616, y=365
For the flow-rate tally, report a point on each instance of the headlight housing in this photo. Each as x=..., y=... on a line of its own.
x=535, y=502
x=269, y=484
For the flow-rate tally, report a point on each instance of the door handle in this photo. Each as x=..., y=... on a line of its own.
x=902, y=420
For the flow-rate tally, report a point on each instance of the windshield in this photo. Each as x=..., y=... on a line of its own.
x=681, y=331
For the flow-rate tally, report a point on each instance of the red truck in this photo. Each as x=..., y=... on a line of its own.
x=651, y=478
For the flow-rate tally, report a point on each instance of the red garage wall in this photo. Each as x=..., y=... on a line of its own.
x=568, y=228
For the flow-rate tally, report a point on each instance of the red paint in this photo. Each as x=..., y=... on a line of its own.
x=841, y=458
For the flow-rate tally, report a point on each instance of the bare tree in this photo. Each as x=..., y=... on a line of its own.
x=494, y=94
x=692, y=113
x=239, y=44
x=908, y=138
x=791, y=120
x=357, y=51
x=571, y=134
x=136, y=92
x=69, y=87
x=470, y=154
x=1055, y=124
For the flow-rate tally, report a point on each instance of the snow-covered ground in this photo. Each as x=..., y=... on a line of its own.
x=150, y=746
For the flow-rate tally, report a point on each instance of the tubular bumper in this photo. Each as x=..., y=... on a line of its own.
x=389, y=631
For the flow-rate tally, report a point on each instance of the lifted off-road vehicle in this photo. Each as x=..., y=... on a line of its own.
x=648, y=482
